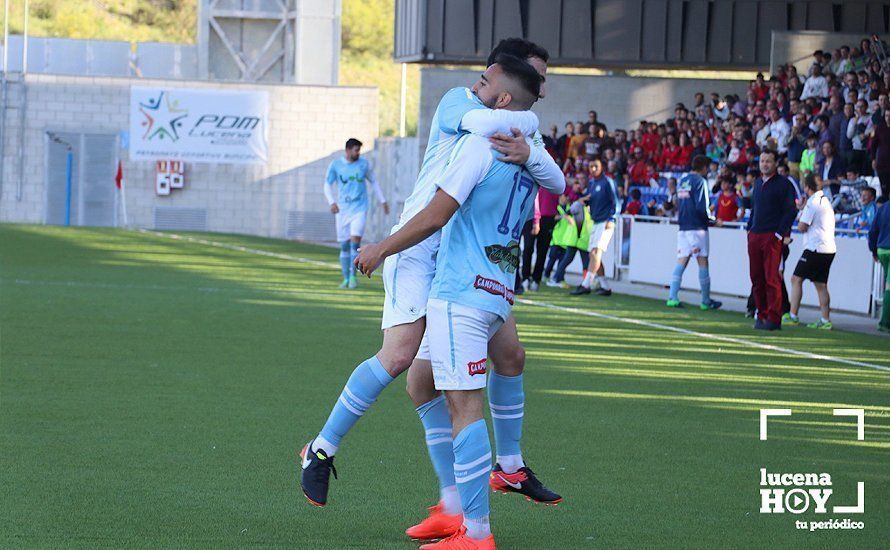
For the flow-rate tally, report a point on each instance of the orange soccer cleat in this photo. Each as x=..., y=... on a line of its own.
x=460, y=541
x=438, y=525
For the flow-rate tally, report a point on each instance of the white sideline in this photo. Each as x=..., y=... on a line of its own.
x=552, y=306
x=703, y=334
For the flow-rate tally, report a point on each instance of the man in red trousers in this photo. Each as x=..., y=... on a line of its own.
x=769, y=228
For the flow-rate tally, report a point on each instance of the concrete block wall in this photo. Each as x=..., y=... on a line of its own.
x=620, y=101
x=308, y=126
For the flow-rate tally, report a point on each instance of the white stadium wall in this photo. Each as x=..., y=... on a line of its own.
x=653, y=254
x=308, y=126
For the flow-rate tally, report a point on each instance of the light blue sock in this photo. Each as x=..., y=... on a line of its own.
x=345, y=259
x=437, y=425
x=360, y=392
x=676, y=279
x=353, y=253
x=704, y=281
x=472, y=466
x=506, y=399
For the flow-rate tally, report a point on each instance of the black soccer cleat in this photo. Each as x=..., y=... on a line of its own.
x=603, y=292
x=316, y=474
x=580, y=290
x=524, y=482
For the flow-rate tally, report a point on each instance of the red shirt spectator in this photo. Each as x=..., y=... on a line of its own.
x=727, y=206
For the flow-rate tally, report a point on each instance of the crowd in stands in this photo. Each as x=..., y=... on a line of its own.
x=828, y=131
x=833, y=122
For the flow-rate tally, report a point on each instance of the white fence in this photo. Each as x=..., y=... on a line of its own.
x=855, y=280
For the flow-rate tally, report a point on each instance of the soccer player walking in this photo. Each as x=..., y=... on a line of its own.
x=817, y=225
x=605, y=206
x=350, y=205
x=694, y=217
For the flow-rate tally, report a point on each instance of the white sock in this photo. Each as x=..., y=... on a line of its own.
x=478, y=528
x=602, y=281
x=824, y=320
x=588, y=279
x=321, y=443
x=510, y=463
x=450, y=500
x=793, y=316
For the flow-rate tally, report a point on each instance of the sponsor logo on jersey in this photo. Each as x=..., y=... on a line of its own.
x=505, y=257
x=494, y=287
x=477, y=367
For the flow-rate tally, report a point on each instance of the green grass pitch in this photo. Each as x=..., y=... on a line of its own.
x=155, y=392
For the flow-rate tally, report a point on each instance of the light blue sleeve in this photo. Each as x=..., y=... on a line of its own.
x=331, y=176
x=454, y=105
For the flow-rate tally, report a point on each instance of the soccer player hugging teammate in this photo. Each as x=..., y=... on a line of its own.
x=350, y=205
x=471, y=295
x=694, y=216
x=408, y=277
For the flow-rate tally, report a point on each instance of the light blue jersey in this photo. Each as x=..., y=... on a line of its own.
x=349, y=177
x=479, y=250
x=444, y=132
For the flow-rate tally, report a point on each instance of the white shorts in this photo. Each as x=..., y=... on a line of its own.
x=693, y=243
x=407, y=278
x=600, y=236
x=458, y=338
x=350, y=224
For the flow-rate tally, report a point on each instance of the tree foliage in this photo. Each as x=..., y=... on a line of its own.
x=366, y=31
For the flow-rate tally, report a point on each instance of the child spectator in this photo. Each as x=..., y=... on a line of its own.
x=869, y=209
x=728, y=203
x=808, y=158
x=635, y=206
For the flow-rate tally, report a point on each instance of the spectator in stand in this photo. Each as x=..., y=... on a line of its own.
x=717, y=151
x=728, y=207
x=768, y=228
x=880, y=153
x=759, y=88
x=869, y=210
x=830, y=169
x=808, y=157
x=694, y=216
x=635, y=206
x=859, y=130
x=817, y=225
x=837, y=122
x=797, y=144
x=668, y=207
x=816, y=85
x=639, y=172
x=879, y=245
x=683, y=159
x=779, y=130
x=562, y=143
x=550, y=142
x=604, y=209
x=820, y=128
x=536, y=238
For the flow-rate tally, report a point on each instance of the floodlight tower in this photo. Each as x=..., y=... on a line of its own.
x=289, y=41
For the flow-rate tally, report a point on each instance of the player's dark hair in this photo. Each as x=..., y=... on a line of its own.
x=871, y=190
x=635, y=194
x=700, y=162
x=522, y=72
x=809, y=181
x=352, y=142
x=517, y=47
x=771, y=153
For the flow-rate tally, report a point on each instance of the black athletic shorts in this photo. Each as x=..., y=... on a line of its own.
x=814, y=266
